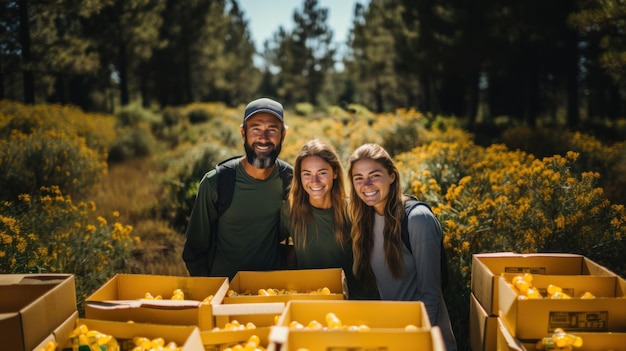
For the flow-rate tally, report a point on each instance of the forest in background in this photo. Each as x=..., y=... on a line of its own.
x=558, y=62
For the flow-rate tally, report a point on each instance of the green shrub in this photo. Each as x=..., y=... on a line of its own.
x=47, y=158
x=135, y=114
x=136, y=141
x=304, y=108
x=185, y=168
x=199, y=115
x=48, y=232
x=172, y=116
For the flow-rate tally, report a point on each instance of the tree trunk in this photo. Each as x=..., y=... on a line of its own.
x=27, y=73
x=571, y=76
x=123, y=71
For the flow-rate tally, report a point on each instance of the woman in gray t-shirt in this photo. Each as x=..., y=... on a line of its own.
x=381, y=258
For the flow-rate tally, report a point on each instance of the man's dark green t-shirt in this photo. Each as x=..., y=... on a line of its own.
x=247, y=233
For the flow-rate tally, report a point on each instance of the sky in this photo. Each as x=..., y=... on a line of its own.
x=265, y=16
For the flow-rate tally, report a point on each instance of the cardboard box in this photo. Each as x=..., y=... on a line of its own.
x=302, y=281
x=486, y=268
x=504, y=340
x=220, y=340
x=374, y=314
x=185, y=337
x=483, y=328
x=382, y=339
x=32, y=306
x=532, y=319
x=591, y=341
x=122, y=299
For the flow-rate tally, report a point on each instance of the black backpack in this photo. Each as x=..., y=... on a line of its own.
x=408, y=206
x=226, y=181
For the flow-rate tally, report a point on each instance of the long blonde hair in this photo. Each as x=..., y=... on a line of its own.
x=362, y=217
x=301, y=214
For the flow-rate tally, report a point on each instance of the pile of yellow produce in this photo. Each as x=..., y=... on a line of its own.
x=253, y=344
x=49, y=346
x=334, y=323
x=92, y=340
x=177, y=294
x=275, y=292
x=156, y=344
x=235, y=325
x=560, y=340
x=523, y=286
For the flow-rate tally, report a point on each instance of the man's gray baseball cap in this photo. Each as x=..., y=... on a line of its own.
x=264, y=105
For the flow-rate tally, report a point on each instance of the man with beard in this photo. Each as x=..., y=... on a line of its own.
x=245, y=236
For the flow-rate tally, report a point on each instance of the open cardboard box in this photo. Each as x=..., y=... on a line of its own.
x=252, y=307
x=482, y=327
x=374, y=314
x=305, y=282
x=32, y=306
x=429, y=339
x=487, y=267
x=532, y=319
x=185, y=337
x=591, y=341
x=386, y=321
x=122, y=299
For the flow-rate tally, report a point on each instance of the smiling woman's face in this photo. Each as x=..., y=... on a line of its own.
x=372, y=182
x=317, y=177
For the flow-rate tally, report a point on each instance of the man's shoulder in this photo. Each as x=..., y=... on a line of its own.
x=228, y=164
x=284, y=165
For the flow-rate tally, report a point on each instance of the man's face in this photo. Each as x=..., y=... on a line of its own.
x=263, y=139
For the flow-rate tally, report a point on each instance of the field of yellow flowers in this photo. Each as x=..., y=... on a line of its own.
x=94, y=194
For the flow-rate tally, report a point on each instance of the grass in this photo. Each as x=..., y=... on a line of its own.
x=132, y=189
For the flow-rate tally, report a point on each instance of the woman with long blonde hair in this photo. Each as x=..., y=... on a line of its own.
x=381, y=258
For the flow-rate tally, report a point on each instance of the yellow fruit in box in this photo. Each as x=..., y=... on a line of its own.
x=315, y=325
x=560, y=340
x=208, y=299
x=142, y=342
x=521, y=284
x=49, y=346
x=364, y=328
x=255, y=339
x=81, y=329
x=587, y=295
x=296, y=325
x=552, y=289
x=410, y=327
x=533, y=293
x=171, y=346
x=560, y=296
x=263, y=292
x=158, y=342
x=332, y=321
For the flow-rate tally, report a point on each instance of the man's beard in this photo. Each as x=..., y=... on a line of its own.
x=264, y=160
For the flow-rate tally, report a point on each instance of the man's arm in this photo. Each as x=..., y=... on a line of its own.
x=200, y=243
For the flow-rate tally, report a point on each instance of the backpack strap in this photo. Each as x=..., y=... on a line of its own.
x=286, y=174
x=226, y=181
x=409, y=205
